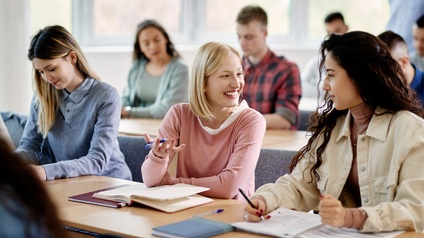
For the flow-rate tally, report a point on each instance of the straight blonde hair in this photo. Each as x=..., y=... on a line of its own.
x=53, y=42
x=206, y=62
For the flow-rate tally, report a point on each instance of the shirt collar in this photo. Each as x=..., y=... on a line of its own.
x=77, y=95
x=378, y=127
x=264, y=61
x=242, y=106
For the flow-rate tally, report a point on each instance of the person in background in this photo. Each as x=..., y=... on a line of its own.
x=334, y=23
x=157, y=79
x=26, y=210
x=399, y=52
x=77, y=113
x=417, y=56
x=272, y=82
x=216, y=135
x=402, y=16
x=362, y=166
x=4, y=134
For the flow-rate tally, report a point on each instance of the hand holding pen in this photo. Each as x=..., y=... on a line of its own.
x=162, y=148
x=254, y=211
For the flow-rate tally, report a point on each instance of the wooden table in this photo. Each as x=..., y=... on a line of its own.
x=127, y=221
x=134, y=221
x=277, y=139
x=284, y=139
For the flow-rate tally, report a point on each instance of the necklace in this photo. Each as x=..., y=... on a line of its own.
x=359, y=130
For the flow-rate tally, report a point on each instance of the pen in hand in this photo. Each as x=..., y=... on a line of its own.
x=150, y=144
x=250, y=203
x=208, y=213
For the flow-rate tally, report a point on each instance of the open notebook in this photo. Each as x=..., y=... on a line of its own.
x=167, y=198
x=288, y=223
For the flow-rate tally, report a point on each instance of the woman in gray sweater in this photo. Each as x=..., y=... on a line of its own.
x=74, y=111
x=157, y=79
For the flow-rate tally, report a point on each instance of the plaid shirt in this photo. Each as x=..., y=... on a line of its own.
x=273, y=86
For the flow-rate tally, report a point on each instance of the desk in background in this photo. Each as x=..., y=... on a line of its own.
x=276, y=139
x=134, y=221
x=139, y=126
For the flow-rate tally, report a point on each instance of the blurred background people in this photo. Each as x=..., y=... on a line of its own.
x=157, y=79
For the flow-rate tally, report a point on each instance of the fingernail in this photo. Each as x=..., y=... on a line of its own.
x=262, y=211
x=258, y=213
x=268, y=216
x=321, y=197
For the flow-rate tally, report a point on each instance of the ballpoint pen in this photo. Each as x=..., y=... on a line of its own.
x=248, y=201
x=150, y=144
x=208, y=213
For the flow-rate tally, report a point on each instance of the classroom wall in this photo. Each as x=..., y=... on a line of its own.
x=15, y=68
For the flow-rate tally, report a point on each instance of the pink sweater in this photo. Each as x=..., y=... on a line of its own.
x=223, y=161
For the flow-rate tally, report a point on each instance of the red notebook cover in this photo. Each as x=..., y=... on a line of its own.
x=88, y=198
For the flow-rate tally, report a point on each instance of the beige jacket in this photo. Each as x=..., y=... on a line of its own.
x=390, y=161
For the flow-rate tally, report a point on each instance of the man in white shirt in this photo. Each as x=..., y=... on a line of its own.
x=334, y=23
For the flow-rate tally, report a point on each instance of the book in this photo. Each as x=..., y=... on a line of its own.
x=289, y=223
x=167, y=198
x=194, y=227
x=88, y=198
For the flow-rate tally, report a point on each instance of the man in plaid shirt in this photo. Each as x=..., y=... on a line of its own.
x=272, y=83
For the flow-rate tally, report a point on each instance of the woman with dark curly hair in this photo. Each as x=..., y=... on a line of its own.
x=362, y=166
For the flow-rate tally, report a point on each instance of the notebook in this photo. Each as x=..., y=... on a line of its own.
x=167, y=198
x=289, y=223
x=88, y=198
x=194, y=227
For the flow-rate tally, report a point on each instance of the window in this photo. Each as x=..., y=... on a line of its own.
x=50, y=12
x=369, y=16
x=111, y=22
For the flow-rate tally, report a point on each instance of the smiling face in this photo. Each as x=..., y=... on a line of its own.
x=339, y=86
x=152, y=43
x=224, y=87
x=61, y=73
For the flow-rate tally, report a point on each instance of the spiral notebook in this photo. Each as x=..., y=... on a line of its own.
x=289, y=223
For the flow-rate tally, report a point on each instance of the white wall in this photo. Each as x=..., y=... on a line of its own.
x=15, y=70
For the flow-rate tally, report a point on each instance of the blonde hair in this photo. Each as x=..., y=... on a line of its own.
x=206, y=62
x=53, y=42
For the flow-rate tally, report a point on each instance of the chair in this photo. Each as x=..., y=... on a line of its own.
x=305, y=115
x=15, y=124
x=133, y=148
x=272, y=164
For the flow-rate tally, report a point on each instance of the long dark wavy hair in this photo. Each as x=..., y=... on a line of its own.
x=170, y=48
x=20, y=185
x=378, y=78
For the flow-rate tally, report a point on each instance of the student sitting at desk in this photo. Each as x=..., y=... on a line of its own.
x=217, y=136
x=76, y=112
x=157, y=79
x=362, y=166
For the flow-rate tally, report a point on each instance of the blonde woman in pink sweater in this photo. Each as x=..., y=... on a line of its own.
x=216, y=135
